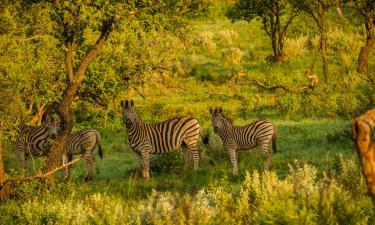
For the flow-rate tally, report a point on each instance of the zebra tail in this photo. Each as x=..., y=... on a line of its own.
x=205, y=137
x=274, y=147
x=100, y=150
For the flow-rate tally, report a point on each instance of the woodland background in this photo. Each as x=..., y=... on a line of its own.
x=254, y=58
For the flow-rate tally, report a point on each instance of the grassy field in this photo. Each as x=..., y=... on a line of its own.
x=312, y=155
x=314, y=178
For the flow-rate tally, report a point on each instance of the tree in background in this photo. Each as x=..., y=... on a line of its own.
x=317, y=9
x=81, y=29
x=275, y=15
x=366, y=9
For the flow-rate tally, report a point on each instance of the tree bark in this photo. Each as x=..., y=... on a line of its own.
x=370, y=41
x=2, y=173
x=74, y=81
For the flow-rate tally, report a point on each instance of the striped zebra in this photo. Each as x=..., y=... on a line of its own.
x=83, y=142
x=34, y=140
x=260, y=133
x=146, y=139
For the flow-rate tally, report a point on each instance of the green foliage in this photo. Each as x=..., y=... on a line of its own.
x=172, y=162
x=30, y=75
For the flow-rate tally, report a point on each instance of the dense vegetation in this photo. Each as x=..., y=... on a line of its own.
x=177, y=63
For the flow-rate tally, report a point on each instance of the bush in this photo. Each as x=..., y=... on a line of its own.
x=171, y=162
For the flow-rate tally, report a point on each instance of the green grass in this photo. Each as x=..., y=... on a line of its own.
x=318, y=143
x=312, y=154
x=315, y=177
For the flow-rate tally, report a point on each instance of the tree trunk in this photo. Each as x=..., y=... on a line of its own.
x=75, y=78
x=273, y=36
x=370, y=42
x=323, y=41
x=280, y=54
x=2, y=173
x=66, y=115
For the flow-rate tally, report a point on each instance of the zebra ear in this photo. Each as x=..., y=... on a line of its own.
x=211, y=111
x=131, y=103
x=122, y=103
x=220, y=109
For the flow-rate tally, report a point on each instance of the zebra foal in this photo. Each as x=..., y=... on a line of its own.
x=83, y=142
x=146, y=139
x=260, y=133
x=34, y=140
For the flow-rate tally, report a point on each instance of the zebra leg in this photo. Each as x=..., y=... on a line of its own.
x=89, y=167
x=187, y=156
x=21, y=155
x=233, y=159
x=265, y=147
x=145, y=161
x=193, y=151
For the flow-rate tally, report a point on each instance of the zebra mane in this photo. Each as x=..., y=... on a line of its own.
x=227, y=119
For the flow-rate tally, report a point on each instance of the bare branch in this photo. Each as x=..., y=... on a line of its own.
x=267, y=87
x=69, y=60
x=136, y=89
x=45, y=175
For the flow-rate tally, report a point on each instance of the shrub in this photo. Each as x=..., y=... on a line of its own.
x=171, y=162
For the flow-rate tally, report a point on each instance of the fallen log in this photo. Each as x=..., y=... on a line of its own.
x=8, y=185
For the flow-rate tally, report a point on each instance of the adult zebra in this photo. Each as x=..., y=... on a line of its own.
x=146, y=139
x=83, y=142
x=260, y=133
x=34, y=140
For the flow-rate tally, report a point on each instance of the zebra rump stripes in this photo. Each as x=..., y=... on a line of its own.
x=83, y=142
x=260, y=133
x=34, y=140
x=146, y=139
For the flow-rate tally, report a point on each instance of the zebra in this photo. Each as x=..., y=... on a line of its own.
x=83, y=142
x=235, y=138
x=146, y=139
x=34, y=140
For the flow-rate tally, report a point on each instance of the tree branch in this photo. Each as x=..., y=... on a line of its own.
x=92, y=53
x=288, y=23
x=44, y=175
x=136, y=89
x=7, y=185
x=69, y=60
x=267, y=87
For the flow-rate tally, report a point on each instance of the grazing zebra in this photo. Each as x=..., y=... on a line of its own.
x=34, y=140
x=146, y=139
x=259, y=133
x=83, y=142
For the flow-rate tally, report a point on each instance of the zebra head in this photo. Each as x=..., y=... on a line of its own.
x=129, y=116
x=52, y=126
x=217, y=118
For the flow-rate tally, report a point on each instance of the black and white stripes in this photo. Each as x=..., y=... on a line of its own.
x=84, y=142
x=146, y=139
x=260, y=133
x=35, y=140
